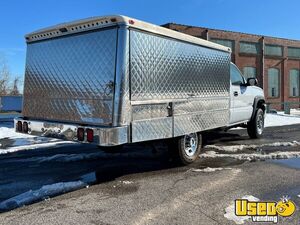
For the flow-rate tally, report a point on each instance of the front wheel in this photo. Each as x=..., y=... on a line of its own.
x=255, y=127
x=187, y=148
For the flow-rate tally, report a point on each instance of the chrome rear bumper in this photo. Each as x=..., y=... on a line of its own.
x=103, y=136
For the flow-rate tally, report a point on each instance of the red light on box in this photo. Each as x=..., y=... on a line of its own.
x=25, y=127
x=131, y=22
x=89, y=135
x=80, y=134
x=19, y=126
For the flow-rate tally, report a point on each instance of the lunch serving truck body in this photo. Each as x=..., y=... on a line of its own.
x=115, y=80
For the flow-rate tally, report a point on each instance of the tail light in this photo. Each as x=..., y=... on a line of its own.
x=25, y=127
x=80, y=134
x=19, y=126
x=89, y=135
x=131, y=22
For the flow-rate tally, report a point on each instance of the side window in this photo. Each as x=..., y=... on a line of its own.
x=249, y=72
x=294, y=83
x=273, y=82
x=235, y=76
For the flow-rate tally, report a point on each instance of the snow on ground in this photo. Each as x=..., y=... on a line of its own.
x=280, y=119
x=230, y=211
x=25, y=141
x=47, y=191
x=236, y=148
x=209, y=169
x=252, y=156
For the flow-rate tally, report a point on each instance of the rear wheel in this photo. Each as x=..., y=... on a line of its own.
x=255, y=127
x=187, y=148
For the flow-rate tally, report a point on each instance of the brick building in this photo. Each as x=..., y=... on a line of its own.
x=275, y=62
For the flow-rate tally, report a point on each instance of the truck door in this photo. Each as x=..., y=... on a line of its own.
x=241, y=103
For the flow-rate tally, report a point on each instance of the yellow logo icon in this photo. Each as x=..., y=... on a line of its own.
x=285, y=207
x=267, y=211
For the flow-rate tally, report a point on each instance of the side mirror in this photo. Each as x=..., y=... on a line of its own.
x=252, y=82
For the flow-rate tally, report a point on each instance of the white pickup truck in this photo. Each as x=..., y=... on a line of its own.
x=247, y=107
x=115, y=80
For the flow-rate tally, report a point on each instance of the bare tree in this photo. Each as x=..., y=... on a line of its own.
x=4, y=76
x=15, y=87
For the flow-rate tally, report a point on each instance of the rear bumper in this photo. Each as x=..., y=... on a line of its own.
x=103, y=136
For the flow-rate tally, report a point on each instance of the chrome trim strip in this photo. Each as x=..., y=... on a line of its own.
x=112, y=20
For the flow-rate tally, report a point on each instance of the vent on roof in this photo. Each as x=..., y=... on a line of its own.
x=90, y=25
x=72, y=29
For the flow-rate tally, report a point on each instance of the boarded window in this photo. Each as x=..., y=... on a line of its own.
x=294, y=82
x=273, y=50
x=273, y=82
x=249, y=47
x=226, y=43
x=294, y=52
x=249, y=72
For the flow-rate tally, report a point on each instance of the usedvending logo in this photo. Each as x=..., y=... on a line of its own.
x=260, y=211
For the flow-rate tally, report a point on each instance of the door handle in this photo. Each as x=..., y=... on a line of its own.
x=235, y=93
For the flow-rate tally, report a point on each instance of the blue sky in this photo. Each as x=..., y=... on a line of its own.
x=268, y=17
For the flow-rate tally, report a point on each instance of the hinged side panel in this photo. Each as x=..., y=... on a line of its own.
x=193, y=78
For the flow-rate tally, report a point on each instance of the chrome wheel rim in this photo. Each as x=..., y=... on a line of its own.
x=190, y=144
x=260, y=123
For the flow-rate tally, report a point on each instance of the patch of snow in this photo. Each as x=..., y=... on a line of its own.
x=252, y=156
x=33, y=146
x=230, y=211
x=127, y=182
x=209, y=169
x=40, y=194
x=46, y=191
x=236, y=148
x=274, y=120
x=6, y=132
x=279, y=119
x=25, y=141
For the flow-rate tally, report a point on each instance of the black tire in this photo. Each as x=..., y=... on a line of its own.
x=179, y=149
x=255, y=127
x=112, y=149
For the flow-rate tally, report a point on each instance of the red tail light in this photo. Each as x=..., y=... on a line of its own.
x=89, y=135
x=80, y=134
x=131, y=22
x=25, y=127
x=19, y=126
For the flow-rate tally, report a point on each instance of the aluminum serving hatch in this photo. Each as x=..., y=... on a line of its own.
x=71, y=78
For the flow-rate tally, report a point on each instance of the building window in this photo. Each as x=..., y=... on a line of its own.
x=249, y=72
x=249, y=47
x=273, y=50
x=273, y=82
x=294, y=83
x=227, y=43
x=293, y=52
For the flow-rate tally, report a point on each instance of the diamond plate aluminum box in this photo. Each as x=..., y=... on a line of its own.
x=71, y=78
x=194, y=81
x=164, y=68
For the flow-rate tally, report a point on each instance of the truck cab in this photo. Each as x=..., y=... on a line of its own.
x=247, y=103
